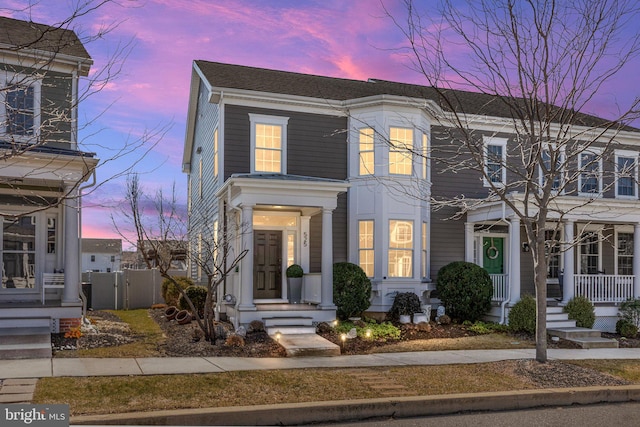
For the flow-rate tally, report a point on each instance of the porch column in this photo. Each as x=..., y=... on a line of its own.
x=636, y=260
x=569, y=268
x=326, y=290
x=304, y=249
x=469, y=241
x=71, y=291
x=514, y=259
x=246, y=281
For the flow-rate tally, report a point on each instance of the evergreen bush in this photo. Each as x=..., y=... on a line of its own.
x=626, y=328
x=197, y=295
x=582, y=311
x=351, y=290
x=404, y=303
x=465, y=290
x=522, y=316
x=630, y=311
x=170, y=293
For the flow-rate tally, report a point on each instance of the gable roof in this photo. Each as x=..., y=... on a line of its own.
x=30, y=35
x=102, y=246
x=229, y=76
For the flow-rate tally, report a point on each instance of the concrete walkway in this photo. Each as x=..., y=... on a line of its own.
x=87, y=367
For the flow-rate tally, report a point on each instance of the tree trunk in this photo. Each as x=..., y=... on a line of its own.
x=540, y=277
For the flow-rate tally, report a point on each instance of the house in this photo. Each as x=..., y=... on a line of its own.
x=42, y=174
x=101, y=255
x=314, y=170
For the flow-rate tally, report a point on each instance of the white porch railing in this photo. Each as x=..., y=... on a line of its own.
x=500, y=287
x=603, y=287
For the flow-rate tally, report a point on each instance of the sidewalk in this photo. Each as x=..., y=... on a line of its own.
x=87, y=367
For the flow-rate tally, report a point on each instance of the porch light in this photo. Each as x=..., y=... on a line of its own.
x=525, y=247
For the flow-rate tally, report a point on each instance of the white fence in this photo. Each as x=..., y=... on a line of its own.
x=500, y=287
x=603, y=287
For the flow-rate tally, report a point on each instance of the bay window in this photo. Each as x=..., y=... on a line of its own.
x=366, y=149
x=400, y=248
x=366, y=247
x=400, y=151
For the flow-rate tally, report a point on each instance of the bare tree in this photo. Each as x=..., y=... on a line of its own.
x=538, y=65
x=157, y=241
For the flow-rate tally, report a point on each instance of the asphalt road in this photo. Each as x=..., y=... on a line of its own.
x=618, y=415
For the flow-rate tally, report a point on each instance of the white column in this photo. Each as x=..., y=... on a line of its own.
x=326, y=289
x=514, y=260
x=71, y=292
x=636, y=260
x=304, y=243
x=246, y=284
x=469, y=241
x=569, y=265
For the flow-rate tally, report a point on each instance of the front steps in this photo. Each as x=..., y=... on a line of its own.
x=298, y=337
x=25, y=338
x=559, y=325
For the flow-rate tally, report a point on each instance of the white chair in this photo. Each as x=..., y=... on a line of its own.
x=51, y=281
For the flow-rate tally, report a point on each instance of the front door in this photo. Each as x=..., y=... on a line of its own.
x=493, y=254
x=267, y=264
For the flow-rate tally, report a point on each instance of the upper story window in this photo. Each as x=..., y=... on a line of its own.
x=268, y=143
x=590, y=180
x=495, y=157
x=546, y=170
x=366, y=150
x=627, y=174
x=425, y=152
x=21, y=99
x=400, y=151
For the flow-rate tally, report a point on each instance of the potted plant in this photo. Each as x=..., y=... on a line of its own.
x=405, y=304
x=294, y=283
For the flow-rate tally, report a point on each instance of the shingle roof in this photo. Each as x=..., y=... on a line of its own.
x=102, y=246
x=31, y=35
x=231, y=76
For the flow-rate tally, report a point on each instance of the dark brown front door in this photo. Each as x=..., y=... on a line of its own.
x=267, y=264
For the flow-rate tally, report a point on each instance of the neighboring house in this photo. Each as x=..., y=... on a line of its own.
x=41, y=177
x=301, y=163
x=101, y=255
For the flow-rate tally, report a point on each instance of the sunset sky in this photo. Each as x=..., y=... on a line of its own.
x=350, y=39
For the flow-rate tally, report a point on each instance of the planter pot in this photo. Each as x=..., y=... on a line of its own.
x=419, y=318
x=183, y=317
x=170, y=313
x=405, y=318
x=294, y=289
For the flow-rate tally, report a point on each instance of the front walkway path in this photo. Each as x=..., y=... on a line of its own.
x=85, y=367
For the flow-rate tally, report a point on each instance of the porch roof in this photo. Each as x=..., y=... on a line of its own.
x=282, y=190
x=573, y=208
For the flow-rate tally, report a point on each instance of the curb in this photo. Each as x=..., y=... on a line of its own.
x=349, y=410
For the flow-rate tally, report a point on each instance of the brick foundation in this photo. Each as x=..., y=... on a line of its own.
x=68, y=324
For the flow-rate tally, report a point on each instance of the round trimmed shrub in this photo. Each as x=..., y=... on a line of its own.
x=294, y=270
x=582, y=311
x=465, y=290
x=351, y=290
x=197, y=295
x=625, y=328
x=404, y=303
x=169, y=291
x=522, y=316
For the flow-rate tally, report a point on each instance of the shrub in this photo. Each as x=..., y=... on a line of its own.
x=294, y=270
x=234, y=340
x=379, y=331
x=465, y=290
x=626, y=328
x=522, y=316
x=169, y=291
x=443, y=320
x=197, y=295
x=351, y=290
x=630, y=311
x=404, y=303
x=482, y=328
x=582, y=311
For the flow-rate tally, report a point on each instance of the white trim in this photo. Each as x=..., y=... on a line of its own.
x=631, y=155
x=273, y=121
x=501, y=142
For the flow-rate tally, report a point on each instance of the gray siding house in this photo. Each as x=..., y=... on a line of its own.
x=316, y=170
x=41, y=174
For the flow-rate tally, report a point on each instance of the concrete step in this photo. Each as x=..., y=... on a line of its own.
x=301, y=345
x=291, y=330
x=561, y=324
x=593, y=342
x=557, y=317
x=554, y=310
x=287, y=321
x=28, y=338
x=569, y=333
